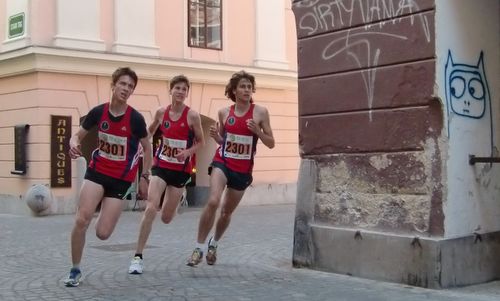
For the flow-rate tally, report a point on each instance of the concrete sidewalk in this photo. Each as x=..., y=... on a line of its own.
x=254, y=264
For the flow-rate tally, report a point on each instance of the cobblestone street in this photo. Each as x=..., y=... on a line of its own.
x=254, y=264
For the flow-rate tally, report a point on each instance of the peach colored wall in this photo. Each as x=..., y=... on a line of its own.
x=3, y=21
x=33, y=98
x=107, y=23
x=238, y=41
x=43, y=21
x=171, y=20
x=169, y=15
x=291, y=37
x=239, y=38
x=48, y=86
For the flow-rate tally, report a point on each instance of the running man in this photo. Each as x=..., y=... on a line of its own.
x=237, y=132
x=113, y=167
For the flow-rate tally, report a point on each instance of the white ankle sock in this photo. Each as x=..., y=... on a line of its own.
x=213, y=242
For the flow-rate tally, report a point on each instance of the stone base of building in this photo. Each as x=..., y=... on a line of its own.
x=431, y=262
x=418, y=261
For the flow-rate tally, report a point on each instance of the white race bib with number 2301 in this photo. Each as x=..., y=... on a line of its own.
x=112, y=147
x=238, y=147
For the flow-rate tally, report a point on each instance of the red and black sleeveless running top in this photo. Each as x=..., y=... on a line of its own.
x=176, y=137
x=239, y=144
x=117, y=152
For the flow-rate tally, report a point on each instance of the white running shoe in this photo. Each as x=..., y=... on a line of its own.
x=74, y=277
x=136, y=266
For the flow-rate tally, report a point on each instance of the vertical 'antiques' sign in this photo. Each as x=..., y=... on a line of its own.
x=60, y=162
x=20, y=133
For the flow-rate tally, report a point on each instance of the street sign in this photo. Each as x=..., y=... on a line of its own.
x=16, y=25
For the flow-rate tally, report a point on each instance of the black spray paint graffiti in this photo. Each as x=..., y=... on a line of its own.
x=467, y=93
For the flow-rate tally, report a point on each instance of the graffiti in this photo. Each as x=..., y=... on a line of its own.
x=466, y=88
x=325, y=16
x=368, y=76
x=467, y=92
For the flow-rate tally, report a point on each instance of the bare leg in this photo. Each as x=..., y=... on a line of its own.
x=217, y=184
x=172, y=198
x=90, y=196
x=111, y=209
x=155, y=190
x=231, y=200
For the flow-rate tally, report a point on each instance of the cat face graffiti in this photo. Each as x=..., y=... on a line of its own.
x=466, y=88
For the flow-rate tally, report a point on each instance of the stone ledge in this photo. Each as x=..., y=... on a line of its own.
x=419, y=261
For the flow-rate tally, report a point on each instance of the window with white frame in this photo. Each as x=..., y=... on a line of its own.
x=205, y=24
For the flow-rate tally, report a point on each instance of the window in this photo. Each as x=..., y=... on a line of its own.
x=205, y=24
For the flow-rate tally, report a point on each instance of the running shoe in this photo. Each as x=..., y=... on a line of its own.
x=211, y=255
x=136, y=265
x=73, y=279
x=195, y=258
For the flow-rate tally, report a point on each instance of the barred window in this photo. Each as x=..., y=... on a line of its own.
x=205, y=24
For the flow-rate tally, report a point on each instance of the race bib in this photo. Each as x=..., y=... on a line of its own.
x=238, y=147
x=172, y=147
x=112, y=147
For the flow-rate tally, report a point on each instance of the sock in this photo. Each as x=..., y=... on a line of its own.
x=138, y=255
x=213, y=242
x=200, y=246
x=76, y=266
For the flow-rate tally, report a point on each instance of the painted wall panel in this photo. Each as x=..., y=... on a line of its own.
x=362, y=132
x=393, y=86
x=368, y=47
x=318, y=17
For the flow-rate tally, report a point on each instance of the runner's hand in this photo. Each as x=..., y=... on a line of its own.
x=214, y=131
x=142, y=194
x=74, y=150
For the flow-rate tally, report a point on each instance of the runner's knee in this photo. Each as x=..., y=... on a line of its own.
x=225, y=214
x=150, y=212
x=212, y=204
x=82, y=222
x=102, y=234
x=166, y=218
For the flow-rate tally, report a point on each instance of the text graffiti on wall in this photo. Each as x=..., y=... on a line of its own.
x=324, y=16
x=467, y=92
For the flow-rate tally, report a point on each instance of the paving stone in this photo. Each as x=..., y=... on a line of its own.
x=254, y=263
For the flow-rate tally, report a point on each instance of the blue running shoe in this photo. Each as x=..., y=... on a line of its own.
x=73, y=279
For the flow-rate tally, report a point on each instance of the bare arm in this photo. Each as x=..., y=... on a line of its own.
x=75, y=147
x=147, y=158
x=156, y=121
x=194, y=121
x=261, y=126
x=217, y=129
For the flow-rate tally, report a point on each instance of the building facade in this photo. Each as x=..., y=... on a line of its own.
x=56, y=58
x=409, y=92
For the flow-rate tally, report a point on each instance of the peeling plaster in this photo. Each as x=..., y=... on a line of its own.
x=380, y=162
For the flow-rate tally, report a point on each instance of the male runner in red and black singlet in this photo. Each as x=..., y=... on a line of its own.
x=113, y=166
x=181, y=137
x=237, y=132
